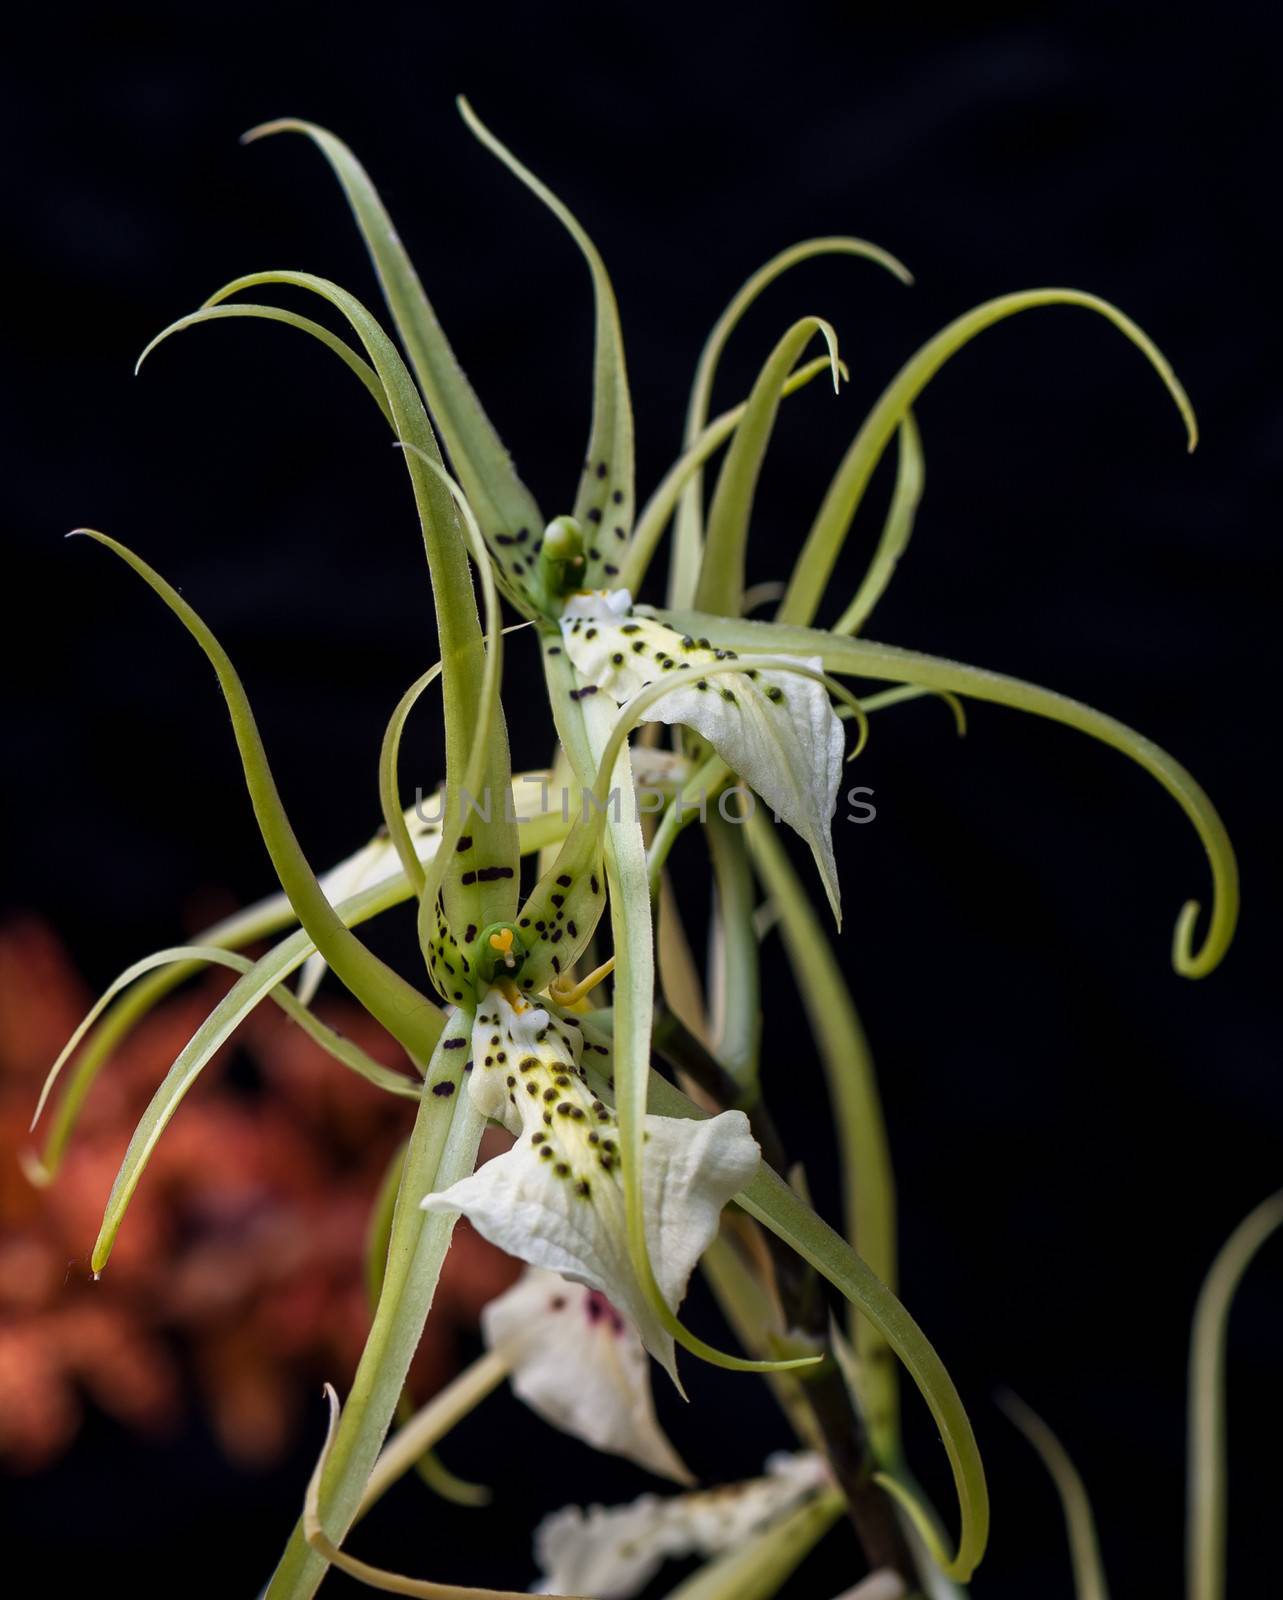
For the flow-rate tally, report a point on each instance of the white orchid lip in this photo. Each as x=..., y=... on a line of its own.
x=578, y=1362
x=555, y=1200
x=775, y=729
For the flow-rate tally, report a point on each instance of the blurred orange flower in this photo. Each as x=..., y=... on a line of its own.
x=239, y=1270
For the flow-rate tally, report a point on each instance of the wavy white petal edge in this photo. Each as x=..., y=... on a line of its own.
x=775, y=729
x=555, y=1199
x=611, y=1552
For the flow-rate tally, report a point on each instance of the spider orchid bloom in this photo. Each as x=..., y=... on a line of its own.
x=614, y=1551
x=555, y=1199
x=776, y=730
x=574, y=1359
x=538, y=563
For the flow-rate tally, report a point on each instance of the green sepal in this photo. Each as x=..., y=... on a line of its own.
x=442, y=1149
x=473, y=880
x=897, y=530
x=604, y=502
x=430, y=1470
x=864, y=659
x=721, y=573
x=245, y=927
x=409, y=1016
x=655, y=514
x=252, y=987
x=291, y=319
x=465, y=670
x=503, y=503
x=833, y=520
x=689, y=532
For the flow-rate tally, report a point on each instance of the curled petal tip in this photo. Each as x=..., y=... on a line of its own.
x=147, y=350
x=1190, y=962
x=1186, y=408
x=37, y=1174
x=261, y=130
x=1187, y=962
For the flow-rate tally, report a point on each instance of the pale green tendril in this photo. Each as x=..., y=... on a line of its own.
x=659, y=508
x=409, y=1016
x=864, y=659
x=815, y=564
x=689, y=533
x=1206, y=1466
x=1084, y=1546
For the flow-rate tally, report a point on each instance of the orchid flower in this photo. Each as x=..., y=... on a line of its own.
x=556, y=1200
x=618, y=1181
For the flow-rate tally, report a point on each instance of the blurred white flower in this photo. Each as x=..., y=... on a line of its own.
x=611, y=1552
x=577, y=1361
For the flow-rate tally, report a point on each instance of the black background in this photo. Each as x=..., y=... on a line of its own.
x=1075, y=1129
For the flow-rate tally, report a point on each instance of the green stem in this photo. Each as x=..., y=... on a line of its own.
x=737, y=992
x=680, y=813
x=822, y=1388
x=1080, y=1525
x=417, y=1436
x=1205, y=1513
x=442, y=1149
x=867, y=1176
